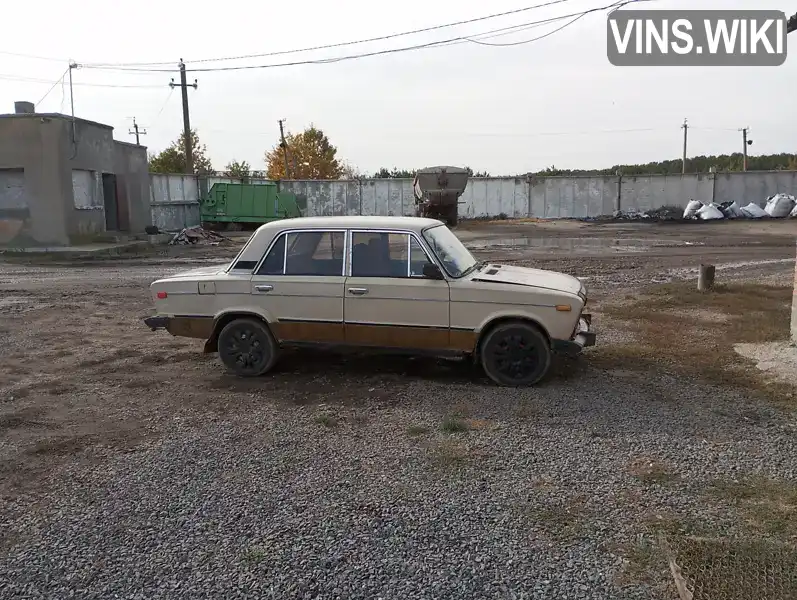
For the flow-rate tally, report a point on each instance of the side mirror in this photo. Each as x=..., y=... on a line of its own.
x=432, y=271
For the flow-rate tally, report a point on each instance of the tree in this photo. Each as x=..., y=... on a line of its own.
x=310, y=156
x=172, y=159
x=395, y=173
x=349, y=171
x=241, y=170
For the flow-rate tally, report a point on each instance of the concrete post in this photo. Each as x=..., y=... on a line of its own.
x=794, y=307
x=705, y=277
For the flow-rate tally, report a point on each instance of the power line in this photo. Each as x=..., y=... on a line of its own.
x=34, y=56
x=532, y=39
x=55, y=83
x=37, y=80
x=342, y=44
x=160, y=112
x=450, y=41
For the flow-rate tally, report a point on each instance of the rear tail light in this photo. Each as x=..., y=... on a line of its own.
x=161, y=295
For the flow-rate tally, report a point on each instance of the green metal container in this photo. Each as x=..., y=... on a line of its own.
x=247, y=203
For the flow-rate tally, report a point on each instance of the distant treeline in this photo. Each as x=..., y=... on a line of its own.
x=696, y=164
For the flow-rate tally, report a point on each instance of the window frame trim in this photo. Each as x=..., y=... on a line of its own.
x=410, y=235
x=285, y=233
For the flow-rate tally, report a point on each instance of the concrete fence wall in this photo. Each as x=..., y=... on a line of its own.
x=175, y=198
x=174, y=201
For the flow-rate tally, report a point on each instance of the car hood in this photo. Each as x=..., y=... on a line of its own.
x=200, y=271
x=550, y=280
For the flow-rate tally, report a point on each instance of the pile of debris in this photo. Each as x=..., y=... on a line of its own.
x=197, y=235
x=778, y=206
x=664, y=213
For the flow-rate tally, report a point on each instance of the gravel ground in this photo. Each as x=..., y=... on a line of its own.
x=132, y=466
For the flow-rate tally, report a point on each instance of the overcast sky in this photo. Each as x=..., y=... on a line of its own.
x=507, y=110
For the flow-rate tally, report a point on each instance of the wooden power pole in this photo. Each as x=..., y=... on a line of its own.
x=745, y=143
x=685, y=127
x=137, y=131
x=284, y=149
x=189, y=152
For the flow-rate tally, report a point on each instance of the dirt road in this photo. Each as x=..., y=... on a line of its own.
x=131, y=464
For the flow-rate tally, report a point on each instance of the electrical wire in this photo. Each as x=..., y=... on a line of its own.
x=34, y=56
x=615, y=6
x=340, y=44
x=438, y=43
x=55, y=83
x=160, y=112
x=89, y=84
x=481, y=43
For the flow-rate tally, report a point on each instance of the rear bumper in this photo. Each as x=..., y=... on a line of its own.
x=155, y=323
x=583, y=338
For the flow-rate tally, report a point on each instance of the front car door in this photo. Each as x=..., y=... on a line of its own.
x=300, y=283
x=388, y=302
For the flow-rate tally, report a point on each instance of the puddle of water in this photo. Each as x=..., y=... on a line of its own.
x=577, y=244
x=13, y=300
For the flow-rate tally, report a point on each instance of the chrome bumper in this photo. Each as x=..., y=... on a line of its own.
x=582, y=338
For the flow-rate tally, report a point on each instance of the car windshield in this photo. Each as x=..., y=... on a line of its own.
x=454, y=256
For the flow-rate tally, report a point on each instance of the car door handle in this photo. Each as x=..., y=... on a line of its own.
x=264, y=288
x=358, y=291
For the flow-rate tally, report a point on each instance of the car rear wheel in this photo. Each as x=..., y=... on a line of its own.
x=247, y=348
x=515, y=354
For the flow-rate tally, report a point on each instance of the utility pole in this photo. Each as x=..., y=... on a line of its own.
x=685, y=127
x=284, y=149
x=72, y=66
x=745, y=143
x=189, y=153
x=137, y=131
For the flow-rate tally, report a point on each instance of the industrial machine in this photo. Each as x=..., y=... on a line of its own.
x=246, y=205
x=437, y=191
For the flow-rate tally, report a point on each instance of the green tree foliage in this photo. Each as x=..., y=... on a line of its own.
x=238, y=169
x=172, y=159
x=310, y=156
x=395, y=173
x=696, y=164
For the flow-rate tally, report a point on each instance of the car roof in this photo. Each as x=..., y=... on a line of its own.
x=263, y=235
x=351, y=222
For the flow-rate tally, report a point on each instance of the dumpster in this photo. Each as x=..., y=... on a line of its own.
x=247, y=203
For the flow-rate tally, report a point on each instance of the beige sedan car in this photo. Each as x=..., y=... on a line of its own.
x=391, y=283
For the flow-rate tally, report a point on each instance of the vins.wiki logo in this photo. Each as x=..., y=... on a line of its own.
x=696, y=38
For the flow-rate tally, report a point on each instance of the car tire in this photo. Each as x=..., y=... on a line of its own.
x=515, y=354
x=247, y=348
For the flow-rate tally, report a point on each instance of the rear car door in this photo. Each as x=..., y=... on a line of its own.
x=388, y=301
x=300, y=282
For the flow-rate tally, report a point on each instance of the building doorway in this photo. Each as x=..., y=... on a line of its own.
x=110, y=202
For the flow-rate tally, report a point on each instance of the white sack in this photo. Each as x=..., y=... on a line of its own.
x=692, y=208
x=793, y=212
x=733, y=211
x=709, y=212
x=753, y=211
x=779, y=205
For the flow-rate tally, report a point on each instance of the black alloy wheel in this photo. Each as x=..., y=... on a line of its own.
x=515, y=354
x=247, y=348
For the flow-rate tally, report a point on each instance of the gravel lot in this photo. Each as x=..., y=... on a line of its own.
x=132, y=466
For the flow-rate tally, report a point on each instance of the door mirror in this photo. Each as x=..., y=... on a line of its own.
x=431, y=271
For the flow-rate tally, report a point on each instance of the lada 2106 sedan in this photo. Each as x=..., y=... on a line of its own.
x=394, y=283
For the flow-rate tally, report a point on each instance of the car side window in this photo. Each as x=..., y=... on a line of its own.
x=275, y=260
x=418, y=258
x=384, y=254
x=317, y=253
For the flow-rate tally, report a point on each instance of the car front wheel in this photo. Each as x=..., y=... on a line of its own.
x=247, y=348
x=515, y=354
